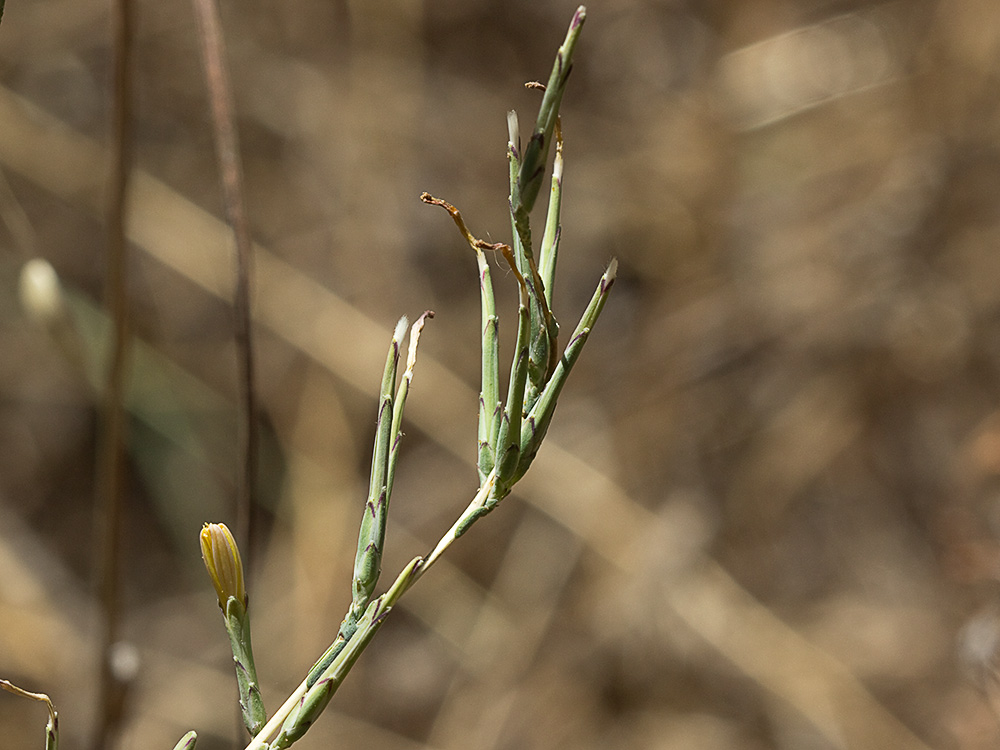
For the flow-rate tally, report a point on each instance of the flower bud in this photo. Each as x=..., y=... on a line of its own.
x=41, y=293
x=222, y=558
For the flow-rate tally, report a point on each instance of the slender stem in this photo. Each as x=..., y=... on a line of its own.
x=259, y=742
x=227, y=152
x=52, y=727
x=457, y=528
x=111, y=470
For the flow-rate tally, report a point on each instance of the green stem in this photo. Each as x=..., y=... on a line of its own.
x=251, y=704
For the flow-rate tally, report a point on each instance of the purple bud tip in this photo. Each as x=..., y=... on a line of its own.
x=608, y=279
x=579, y=17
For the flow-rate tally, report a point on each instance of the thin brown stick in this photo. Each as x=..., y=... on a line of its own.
x=111, y=468
x=230, y=169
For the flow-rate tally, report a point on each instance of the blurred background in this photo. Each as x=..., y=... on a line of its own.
x=767, y=512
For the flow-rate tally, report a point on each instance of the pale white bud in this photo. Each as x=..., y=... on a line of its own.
x=40, y=292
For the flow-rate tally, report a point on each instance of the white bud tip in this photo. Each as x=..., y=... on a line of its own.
x=513, y=129
x=41, y=295
x=612, y=271
x=400, y=331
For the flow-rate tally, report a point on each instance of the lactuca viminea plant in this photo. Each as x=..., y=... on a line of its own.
x=511, y=429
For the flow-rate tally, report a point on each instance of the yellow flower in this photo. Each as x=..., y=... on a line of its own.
x=222, y=558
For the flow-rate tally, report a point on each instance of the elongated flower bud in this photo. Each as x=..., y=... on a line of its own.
x=222, y=558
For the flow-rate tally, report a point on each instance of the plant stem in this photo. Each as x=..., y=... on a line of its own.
x=228, y=154
x=111, y=469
